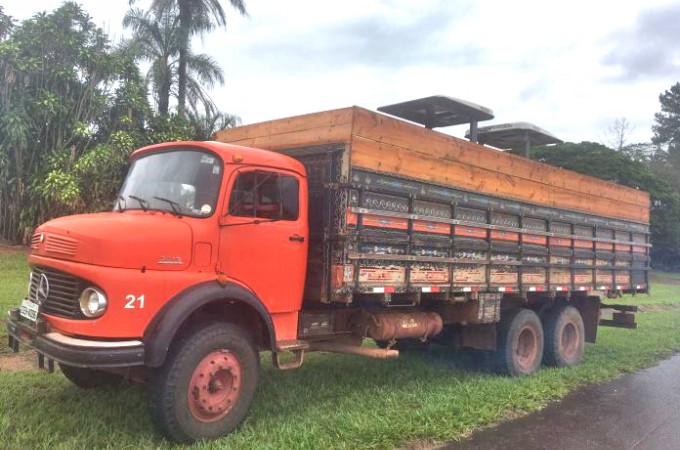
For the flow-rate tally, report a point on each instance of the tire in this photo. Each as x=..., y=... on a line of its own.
x=520, y=343
x=189, y=400
x=86, y=378
x=564, y=337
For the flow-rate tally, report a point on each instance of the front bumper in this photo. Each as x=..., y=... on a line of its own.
x=95, y=354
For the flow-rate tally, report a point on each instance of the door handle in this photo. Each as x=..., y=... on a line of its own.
x=297, y=238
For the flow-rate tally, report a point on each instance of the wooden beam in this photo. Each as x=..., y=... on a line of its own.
x=310, y=129
x=388, y=130
x=381, y=157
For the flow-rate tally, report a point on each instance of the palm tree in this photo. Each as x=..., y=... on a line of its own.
x=157, y=39
x=195, y=17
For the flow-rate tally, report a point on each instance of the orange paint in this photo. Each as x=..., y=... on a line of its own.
x=431, y=227
x=560, y=242
x=461, y=230
x=533, y=239
x=504, y=236
x=395, y=223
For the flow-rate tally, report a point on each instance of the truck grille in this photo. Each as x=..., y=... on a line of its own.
x=61, y=244
x=64, y=291
x=35, y=241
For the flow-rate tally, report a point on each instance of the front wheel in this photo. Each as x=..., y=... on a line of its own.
x=520, y=343
x=206, y=386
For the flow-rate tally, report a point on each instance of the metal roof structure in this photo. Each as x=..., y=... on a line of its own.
x=440, y=111
x=515, y=136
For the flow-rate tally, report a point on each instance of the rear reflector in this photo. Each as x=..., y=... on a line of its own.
x=428, y=289
x=383, y=290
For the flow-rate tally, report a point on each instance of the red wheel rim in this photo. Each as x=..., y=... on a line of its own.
x=527, y=348
x=569, y=341
x=215, y=386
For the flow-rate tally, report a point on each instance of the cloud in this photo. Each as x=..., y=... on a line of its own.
x=383, y=39
x=650, y=49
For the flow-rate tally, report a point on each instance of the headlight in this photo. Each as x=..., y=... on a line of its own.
x=92, y=302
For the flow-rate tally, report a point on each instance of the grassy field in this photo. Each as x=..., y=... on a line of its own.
x=13, y=287
x=332, y=401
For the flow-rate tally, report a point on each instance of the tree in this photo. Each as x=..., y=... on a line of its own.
x=195, y=17
x=640, y=166
x=57, y=75
x=206, y=125
x=157, y=39
x=6, y=24
x=72, y=108
x=667, y=124
x=619, y=133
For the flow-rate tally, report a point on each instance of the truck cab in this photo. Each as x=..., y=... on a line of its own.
x=200, y=229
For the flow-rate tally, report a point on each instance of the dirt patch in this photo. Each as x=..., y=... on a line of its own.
x=6, y=249
x=21, y=362
x=663, y=280
x=653, y=308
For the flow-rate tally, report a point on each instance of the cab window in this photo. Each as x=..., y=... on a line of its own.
x=265, y=195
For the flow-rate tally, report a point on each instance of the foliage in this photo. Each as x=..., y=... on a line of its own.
x=667, y=124
x=205, y=126
x=195, y=17
x=156, y=39
x=72, y=108
x=640, y=166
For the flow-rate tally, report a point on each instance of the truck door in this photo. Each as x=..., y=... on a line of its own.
x=264, y=233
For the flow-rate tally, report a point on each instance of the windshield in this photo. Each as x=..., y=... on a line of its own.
x=181, y=181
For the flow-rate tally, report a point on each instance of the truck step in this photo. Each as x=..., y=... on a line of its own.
x=627, y=308
x=623, y=319
x=292, y=345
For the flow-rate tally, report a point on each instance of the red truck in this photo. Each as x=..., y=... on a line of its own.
x=314, y=233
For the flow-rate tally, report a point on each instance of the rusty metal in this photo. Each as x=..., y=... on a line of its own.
x=348, y=349
x=215, y=386
x=387, y=326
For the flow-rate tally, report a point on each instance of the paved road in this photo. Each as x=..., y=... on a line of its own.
x=639, y=411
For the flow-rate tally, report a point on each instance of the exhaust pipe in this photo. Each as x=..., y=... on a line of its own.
x=347, y=349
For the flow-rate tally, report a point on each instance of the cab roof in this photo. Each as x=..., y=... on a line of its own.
x=232, y=154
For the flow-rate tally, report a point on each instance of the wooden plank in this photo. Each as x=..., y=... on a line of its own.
x=284, y=140
x=372, y=155
x=396, y=132
x=325, y=119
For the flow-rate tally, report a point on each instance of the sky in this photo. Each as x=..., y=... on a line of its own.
x=572, y=68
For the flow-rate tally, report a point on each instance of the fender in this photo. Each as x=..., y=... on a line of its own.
x=165, y=324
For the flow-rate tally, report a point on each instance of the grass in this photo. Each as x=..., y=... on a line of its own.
x=332, y=401
x=13, y=285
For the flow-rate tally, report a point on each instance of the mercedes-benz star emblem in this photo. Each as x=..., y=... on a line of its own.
x=43, y=289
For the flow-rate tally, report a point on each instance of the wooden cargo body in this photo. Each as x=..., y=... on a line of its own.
x=399, y=209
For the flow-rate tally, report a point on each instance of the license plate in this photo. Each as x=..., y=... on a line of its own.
x=29, y=310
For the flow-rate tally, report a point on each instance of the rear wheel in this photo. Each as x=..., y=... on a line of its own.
x=520, y=343
x=86, y=378
x=205, y=388
x=564, y=337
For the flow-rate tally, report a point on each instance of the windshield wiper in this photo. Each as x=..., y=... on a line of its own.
x=174, y=205
x=143, y=203
x=120, y=206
